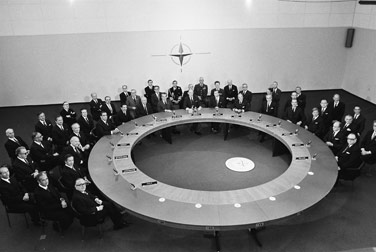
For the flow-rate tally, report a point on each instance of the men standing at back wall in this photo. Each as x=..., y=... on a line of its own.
x=337, y=107
x=230, y=93
x=201, y=90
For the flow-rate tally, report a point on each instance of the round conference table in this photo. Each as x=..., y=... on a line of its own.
x=309, y=177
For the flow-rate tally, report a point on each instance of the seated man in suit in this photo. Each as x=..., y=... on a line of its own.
x=123, y=115
x=68, y=114
x=247, y=95
x=288, y=102
x=13, y=143
x=75, y=149
x=144, y=108
x=41, y=152
x=368, y=146
x=315, y=124
x=109, y=107
x=230, y=93
x=216, y=101
x=124, y=94
x=268, y=107
x=88, y=204
x=349, y=126
x=149, y=91
x=175, y=95
x=105, y=127
x=359, y=121
x=201, y=91
x=44, y=126
x=294, y=114
x=217, y=87
x=15, y=197
x=60, y=134
x=155, y=98
x=349, y=156
x=165, y=105
x=191, y=103
x=25, y=170
x=185, y=94
x=51, y=204
x=86, y=124
x=76, y=132
x=335, y=139
x=337, y=107
x=240, y=105
x=132, y=102
x=276, y=94
x=96, y=105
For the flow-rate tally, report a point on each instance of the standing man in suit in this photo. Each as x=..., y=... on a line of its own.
x=191, y=103
x=105, y=127
x=201, y=91
x=337, y=107
x=230, y=92
x=217, y=87
x=155, y=98
x=349, y=156
x=315, y=124
x=301, y=98
x=335, y=139
x=123, y=115
x=368, y=146
x=185, y=94
x=288, y=102
x=144, y=108
x=86, y=124
x=60, y=134
x=13, y=143
x=95, y=106
x=294, y=114
x=247, y=95
x=124, y=95
x=51, y=204
x=25, y=170
x=41, y=152
x=359, y=121
x=44, y=126
x=87, y=204
x=326, y=115
x=149, y=91
x=132, y=102
x=216, y=101
x=267, y=107
x=276, y=94
x=109, y=107
x=175, y=95
x=68, y=114
x=15, y=197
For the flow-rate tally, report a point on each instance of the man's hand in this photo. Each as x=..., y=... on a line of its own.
x=26, y=197
x=100, y=208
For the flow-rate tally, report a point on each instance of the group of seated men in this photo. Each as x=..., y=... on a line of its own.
x=25, y=184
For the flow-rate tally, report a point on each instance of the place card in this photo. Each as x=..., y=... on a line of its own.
x=121, y=157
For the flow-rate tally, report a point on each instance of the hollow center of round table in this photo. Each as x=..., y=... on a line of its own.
x=199, y=162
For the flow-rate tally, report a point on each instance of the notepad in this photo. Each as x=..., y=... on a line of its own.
x=149, y=183
x=123, y=144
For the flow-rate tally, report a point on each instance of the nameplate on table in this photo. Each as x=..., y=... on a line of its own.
x=298, y=144
x=132, y=134
x=123, y=144
x=149, y=183
x=287, y=134
x=147, y=124
x=162, y=120
x=176, y=116
x=271, y=125
x=196, y=114
x=130, y=170
x=301, y=158
x=121, y=157
x=236, y=116
x=218, y=114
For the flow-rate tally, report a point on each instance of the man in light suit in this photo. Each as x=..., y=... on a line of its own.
x=144, y=108
x=13, y=143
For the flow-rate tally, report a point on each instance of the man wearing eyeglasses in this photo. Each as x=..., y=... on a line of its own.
x=349, y=155
x=88, y=204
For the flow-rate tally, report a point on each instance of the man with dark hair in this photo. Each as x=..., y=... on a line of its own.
x=60, y=134
x=44, y=126
x=41, y=152
x=359, y=121
x=109, y=107
x=368, y=146
x=301, y=98
x=13, y=143
x=337, y=107
x=123, y=115
x=276, y=94
x=217, y=88
x=326, y=114
x=294, y=114
x=24, y=169
x=315, y=123
x=105, y=127
x=124, y=94
x=86, y=123
x=149, y=91
x=155, y=98
x=68, y=114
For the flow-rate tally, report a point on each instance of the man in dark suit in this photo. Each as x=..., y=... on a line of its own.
x=337, y=107
x=185, y=93
x=294, y=114
x=216, y=101
x=13, y=143
x=276, y=93
x=348, y=126
x=241, y=105
x=201, y=91
x=247, y=95
x=68, y=114
x=132, y=102
x=109, y=107
x=15, y=197
x=315, y=124
x=175, y=95
x=95, y=106
x=149, y=91
x=165, y=105
x=230, y=93
x=288, y=102
x=155, y=98
x=60, y=134
x=86, y=124
x=123, y=115
x=217, y=85
x=368, y=146
x=44, y=126
x=191, y=103
x=51, y=204
x=87, y=204
x=335, y=139
x=349, y=156
x=76, y=132
x=144, y=108
x=267, y=107
x=326, y=114
x=25, y=170
x=75, y=149
x=124, y=95
x=105, y=127
x=41, y=152
x=359, y=121
x=301, y=98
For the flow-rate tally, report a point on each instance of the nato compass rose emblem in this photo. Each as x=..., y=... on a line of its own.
x=181, y=54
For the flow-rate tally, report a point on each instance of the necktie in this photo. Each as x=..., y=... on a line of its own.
x=41, y=145
x=87, y=120
x=293, y=110
x=146, y=110
x=26, y=162
x=345, y=149
x=44, y=123
x=356, y=116
x=373, y=135
x=15, y=140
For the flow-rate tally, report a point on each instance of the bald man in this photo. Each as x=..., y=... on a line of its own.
x=12, y=143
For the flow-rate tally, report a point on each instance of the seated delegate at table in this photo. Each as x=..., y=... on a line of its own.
x=294, y=114
x=216, y=101
x=42, y=153
x=68, y=114
x=247, y=95
x=75, y=149
x=368, y=146
x=144, y=108
x=86, y=124
x=349, y=155
x=44, y=126
x=12, y=143
x=60, y=134
x=132, y=102
x=123, y=115
x=25, y=170
x=191, y=103
x=315, y=123
x=268, y=107
x=217, y=85
x=337, y=107
x=109, y=107
x=335, y=138
x=105, y=127
x=240, y=104
x=326, y=115
x=84, y=141
x=175, y=95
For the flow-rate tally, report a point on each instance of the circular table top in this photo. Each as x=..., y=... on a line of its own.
x=303, y=184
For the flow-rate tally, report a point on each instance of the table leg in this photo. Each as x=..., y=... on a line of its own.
x=215, y=236
x=253, y=232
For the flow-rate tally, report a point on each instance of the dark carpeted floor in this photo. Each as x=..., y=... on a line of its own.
x=343, y=220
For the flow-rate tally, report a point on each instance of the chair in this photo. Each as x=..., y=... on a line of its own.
x=351, y=174
x=88, y=221
x=10, y=211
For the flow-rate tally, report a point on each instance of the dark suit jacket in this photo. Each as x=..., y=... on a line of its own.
x=369, y=145
x=123, y=97
x=294, y=117
x=301, y=99
x=80, y=158
x=103, y=129
x=42, y=156
x=213, y=102
x=11, y=146
x=349, y=157
x=154, y=101
x=338, y=141
x=69, y=176
x=86, y=127
x=132, y=105
x=122, y=118
x=162, y=107
x=316, y=126
x=276, y=96
x=48, y=201
x=244, y=105
x=106, y=109
x=23, y=171
x=189, y=104
x=174, y=95
x=83, y=139
x=12, y=194
x=359, y=123
x=247, y=96
x=272, y=110
x=220, y=91
x=46, y=131
x=148, y=93
x=84, y=203
x=337, y=112
x=140, y=111
x=69, y=116
x=349, y=129
x=327, y=118
x=201, y=91
x=60, y=137
x=96, y=108
x=230, y=93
